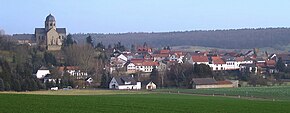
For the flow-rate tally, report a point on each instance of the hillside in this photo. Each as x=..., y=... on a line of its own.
x=230, y=39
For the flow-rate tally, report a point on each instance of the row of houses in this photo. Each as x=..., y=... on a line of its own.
x=129, y=83
x=44, y=73
x=146, y=62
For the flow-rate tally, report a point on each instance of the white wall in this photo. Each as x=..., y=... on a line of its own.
x=41, y=73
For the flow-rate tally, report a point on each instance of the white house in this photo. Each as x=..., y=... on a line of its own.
x=124, y=82
x=131, y=68
x=151, y=85
x=146, y=66
x=42, y=72
x=74, y=71
x=217, y=63
x=235, y=63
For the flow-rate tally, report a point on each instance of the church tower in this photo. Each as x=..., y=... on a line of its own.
x=50, y=37
x=50, y=22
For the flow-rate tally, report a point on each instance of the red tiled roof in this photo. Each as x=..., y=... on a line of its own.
x=164, y=51
x=270, y=62
x=72, y=68
x=224, y=82
x=217, y=60
x=239, y=59
x=197, y=58
x=160, y=55
x=179, y=53
x=149, y=63
x=140, y=60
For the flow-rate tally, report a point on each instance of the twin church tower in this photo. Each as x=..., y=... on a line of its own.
x=50, y=37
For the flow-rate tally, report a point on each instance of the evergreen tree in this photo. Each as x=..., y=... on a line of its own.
x=89, y=41
x=154, y=76
x=1, y=85
x=133, y=48
x=68, y=41
x=50, y=59
x=105, y=80
x=7, y=86
x=16, y=85
x=280, y=66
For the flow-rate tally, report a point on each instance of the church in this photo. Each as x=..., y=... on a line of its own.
x=50, y=37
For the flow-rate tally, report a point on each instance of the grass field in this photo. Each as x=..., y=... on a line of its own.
x=135, y=103
x=80, y=92
x=114, y=101
x=274, y=92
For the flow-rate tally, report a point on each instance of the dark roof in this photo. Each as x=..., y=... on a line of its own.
x=50, y=18
x=204, y=81
x=40, y=30
x=23, y=36
x=61, y=30
x=43, y=68
x=122, y=79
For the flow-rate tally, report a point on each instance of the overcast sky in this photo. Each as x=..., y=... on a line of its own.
x=114, y=16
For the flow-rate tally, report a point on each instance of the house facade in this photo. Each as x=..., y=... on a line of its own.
x=42, y=72
x=124, y=82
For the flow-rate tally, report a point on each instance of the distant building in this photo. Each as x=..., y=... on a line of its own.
x=124, y=82
x=203, y=83
x=50, y=37
x=42, y=72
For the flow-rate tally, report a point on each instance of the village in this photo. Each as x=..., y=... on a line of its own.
x=60, y=62
x=134, y=70
x=144, y=56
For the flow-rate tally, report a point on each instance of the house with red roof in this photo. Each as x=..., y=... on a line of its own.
x=198, y=59
x=143, y=66
x=217, y=63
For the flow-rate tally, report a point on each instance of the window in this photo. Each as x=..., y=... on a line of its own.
x=50, y=24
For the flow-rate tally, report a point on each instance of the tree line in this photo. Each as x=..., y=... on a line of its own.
x=229, y=39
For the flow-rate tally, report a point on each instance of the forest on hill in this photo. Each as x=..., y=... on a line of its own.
x=229, y=39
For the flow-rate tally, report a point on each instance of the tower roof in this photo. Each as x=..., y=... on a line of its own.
x=50, y=18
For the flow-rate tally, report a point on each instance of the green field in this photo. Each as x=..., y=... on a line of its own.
x=135, y=103
x=273, y=92
x=112, y=101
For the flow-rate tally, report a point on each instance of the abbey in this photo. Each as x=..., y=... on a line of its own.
x=50, y=37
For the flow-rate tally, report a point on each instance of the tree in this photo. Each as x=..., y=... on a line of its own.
x=1, y=85
x=100, y=46
x=16, y=85
x=7, y=86
x=280, y=66
x=202, y=71
x=105, y=80
x=154, y=76
x=133, y=48
x=89, y=41
x=68, y=41
x=50, y=58
x=119, y=46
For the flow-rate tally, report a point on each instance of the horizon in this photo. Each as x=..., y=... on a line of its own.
x=113, y=17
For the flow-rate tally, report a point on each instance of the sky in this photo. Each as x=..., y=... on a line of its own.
x=120, y=16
